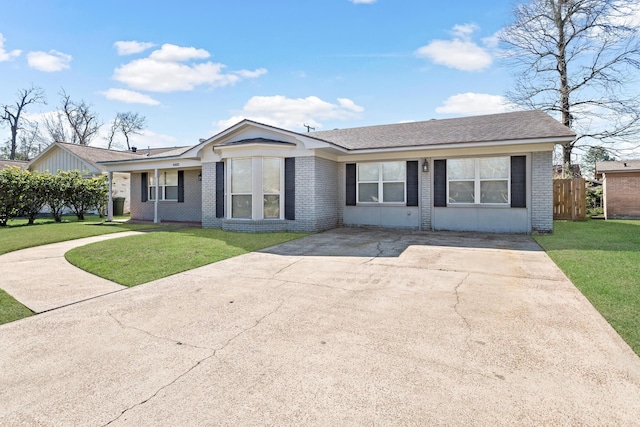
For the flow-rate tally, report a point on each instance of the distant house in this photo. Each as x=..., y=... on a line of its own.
x=483, y=173
x=621, y=182
x=7, y=163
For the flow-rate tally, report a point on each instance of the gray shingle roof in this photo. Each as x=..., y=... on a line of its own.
x=92, y=155
x=494, y=127
x=621, y=166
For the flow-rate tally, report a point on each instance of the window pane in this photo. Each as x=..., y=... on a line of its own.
x=152, y=179
x=271, y=207
x=368, y=192
x=393, y=192
x=461, y=169
x=171, y=193
x=494, y=192
x=170, y=178
x=271, y=176
x=152, y=193
x=393, y=171
x=368, y=171
x=241, y=175
x=494, y=167
x=241, y=206
x=461, y=192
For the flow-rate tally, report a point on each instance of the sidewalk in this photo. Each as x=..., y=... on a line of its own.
x=42, y=279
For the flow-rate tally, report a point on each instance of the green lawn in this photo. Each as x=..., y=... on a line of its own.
x=17, y=235
x=10, y=309
x=140, y=259
x=602, y=258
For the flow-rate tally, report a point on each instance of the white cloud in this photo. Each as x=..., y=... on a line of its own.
x=362, y=1
x=164, y=70
x=7, y=55
x=131, y=47
x=461, y=52
x=292, y=113
x=129, y=96
x=470, y=104
x=49, y=61
x=172, y=53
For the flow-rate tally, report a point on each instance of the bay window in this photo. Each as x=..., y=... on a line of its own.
x=381, y=182
x=482, y=180
x=255, y=185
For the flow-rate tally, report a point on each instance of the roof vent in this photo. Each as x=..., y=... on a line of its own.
x=148, y=151
x=625, y=164
x=134, y=149
x=202, y=140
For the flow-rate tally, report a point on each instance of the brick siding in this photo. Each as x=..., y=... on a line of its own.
x=622, y=195
x=189, y=211
x=425, y=197
x=542, y=191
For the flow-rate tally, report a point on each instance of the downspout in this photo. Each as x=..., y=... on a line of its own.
x=110, y=202
x=156, y=220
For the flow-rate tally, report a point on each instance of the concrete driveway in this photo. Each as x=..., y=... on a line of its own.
x=346, y=327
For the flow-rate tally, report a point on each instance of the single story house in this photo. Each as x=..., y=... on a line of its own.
x=621, y=188
x=63, y=156
x=485, y=173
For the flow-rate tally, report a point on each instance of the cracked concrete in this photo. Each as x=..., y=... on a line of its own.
x=345, y=327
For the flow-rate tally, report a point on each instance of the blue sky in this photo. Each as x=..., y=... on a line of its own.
x=194, y=68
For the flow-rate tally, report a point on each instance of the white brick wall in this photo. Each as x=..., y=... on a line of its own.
x=209, y=219
x=425, y=197
x=542, y=192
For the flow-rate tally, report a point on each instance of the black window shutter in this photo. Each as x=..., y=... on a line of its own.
x=180, y=186
x=290, y=188
x=351, y=184
x=412, y=183
x=518, y=181
x=219, y=189
x=144, y=187
x=440, y=183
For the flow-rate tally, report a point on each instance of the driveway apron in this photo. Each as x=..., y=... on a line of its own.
x=345, y=327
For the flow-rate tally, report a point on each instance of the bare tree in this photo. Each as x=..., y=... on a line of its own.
x=12, y=113
x=577, y=58
x=83, y=122
x=130, y=123
x=111, y=136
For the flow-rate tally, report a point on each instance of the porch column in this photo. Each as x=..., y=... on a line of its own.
x=156, y=220
x=110, y=202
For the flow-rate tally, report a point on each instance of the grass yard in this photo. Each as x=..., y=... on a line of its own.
x=17, y=235
x=602, y=258
x=10, y=309
x=134, y=260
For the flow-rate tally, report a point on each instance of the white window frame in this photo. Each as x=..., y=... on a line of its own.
x=162, y=178
x=381, y=183
x=257, y=190
x=477, y=196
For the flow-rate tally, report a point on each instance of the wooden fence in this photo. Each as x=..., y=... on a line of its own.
x=569, y=199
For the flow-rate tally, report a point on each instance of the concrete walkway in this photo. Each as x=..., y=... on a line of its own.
x=42, y=279
x=346, y=327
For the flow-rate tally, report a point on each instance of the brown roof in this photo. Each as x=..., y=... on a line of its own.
x=494, y=127
x=93, y=155
x=6, y=163
x=618, y=166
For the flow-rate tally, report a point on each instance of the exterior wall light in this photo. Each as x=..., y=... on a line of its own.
x=425, y=166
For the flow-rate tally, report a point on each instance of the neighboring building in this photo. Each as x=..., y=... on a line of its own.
x=63, y=156
x=621, y=182
x=484, y=173
x=7, y=163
